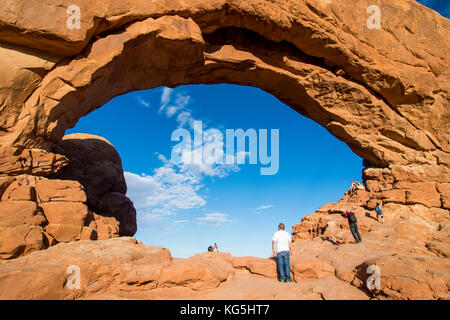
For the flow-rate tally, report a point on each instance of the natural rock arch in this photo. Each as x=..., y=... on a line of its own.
x=380, y=91
x=384, y=92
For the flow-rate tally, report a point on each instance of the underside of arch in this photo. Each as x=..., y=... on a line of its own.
x=390, y=106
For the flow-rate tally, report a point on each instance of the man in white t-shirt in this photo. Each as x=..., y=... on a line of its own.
x=281, y=246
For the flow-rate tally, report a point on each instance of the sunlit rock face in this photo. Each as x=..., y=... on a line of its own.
x=383, y=91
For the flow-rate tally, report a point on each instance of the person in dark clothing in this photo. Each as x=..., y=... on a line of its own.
x=353, y=224
x=211, y=248
x=379, y=212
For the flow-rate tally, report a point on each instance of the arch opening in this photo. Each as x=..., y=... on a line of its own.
x=186, y=208
x=328, y=87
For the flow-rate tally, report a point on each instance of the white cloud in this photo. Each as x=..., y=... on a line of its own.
x=180, y=221
x=175, y=187
x=185, y=117
x=265, y=207
x=213, y=219
x=143, y=102
x=173, y=107
x=165, y=97
x=165, y=192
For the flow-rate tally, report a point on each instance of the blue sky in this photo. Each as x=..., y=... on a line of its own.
x=187, y=208
x=237, y=207
x=441, y=6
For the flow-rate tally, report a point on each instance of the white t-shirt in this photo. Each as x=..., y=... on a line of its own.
x=282, y=240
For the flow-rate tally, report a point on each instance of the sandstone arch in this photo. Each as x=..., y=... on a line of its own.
x=383, y=92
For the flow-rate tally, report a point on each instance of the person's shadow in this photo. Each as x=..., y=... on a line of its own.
x=370, y=216
x=331, y=241
x=275, y=258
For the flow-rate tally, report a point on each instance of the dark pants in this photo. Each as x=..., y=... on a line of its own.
x=355, y=232
x=284, y=267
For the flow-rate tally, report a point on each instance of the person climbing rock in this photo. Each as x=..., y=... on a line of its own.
x=281, y=247
x=353, y=187
x=379, y=212
x=359, y=186
x=353, y=224
x=212, y=248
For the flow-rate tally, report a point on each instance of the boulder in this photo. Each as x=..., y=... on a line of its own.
x=196, y=274
x=264, y=267
x=310, y=268
x=119, y=206
x=96, y=165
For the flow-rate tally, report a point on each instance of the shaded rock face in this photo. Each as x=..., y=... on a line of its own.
x=97, y=166
x=84, y=200
x=37, y=213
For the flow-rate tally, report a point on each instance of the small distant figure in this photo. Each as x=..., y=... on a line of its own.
x=212, y=248
x=353, y=224
x=379, y=212
x=359, y=186
x=281, y=247
x=353, y=187
x=356, y=185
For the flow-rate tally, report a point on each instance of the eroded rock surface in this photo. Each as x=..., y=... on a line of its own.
x=389, y=105
x=121, y=268
x=384, y=92
x=84, y=200
x=411, y=248
x=96, y=165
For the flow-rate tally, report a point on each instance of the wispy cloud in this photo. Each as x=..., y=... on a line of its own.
x=264, y=207
x=164, y=193
x=210, y=142
x=165, y=97
x=175, y=187
x=185, y=117
x=181, y=221
x=143, y=101
x=214, y=219
x=170, y=106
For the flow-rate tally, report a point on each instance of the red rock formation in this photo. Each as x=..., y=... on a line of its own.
x=96, y=165
x=122, y=268
x=89, y=203
x=384, y=92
